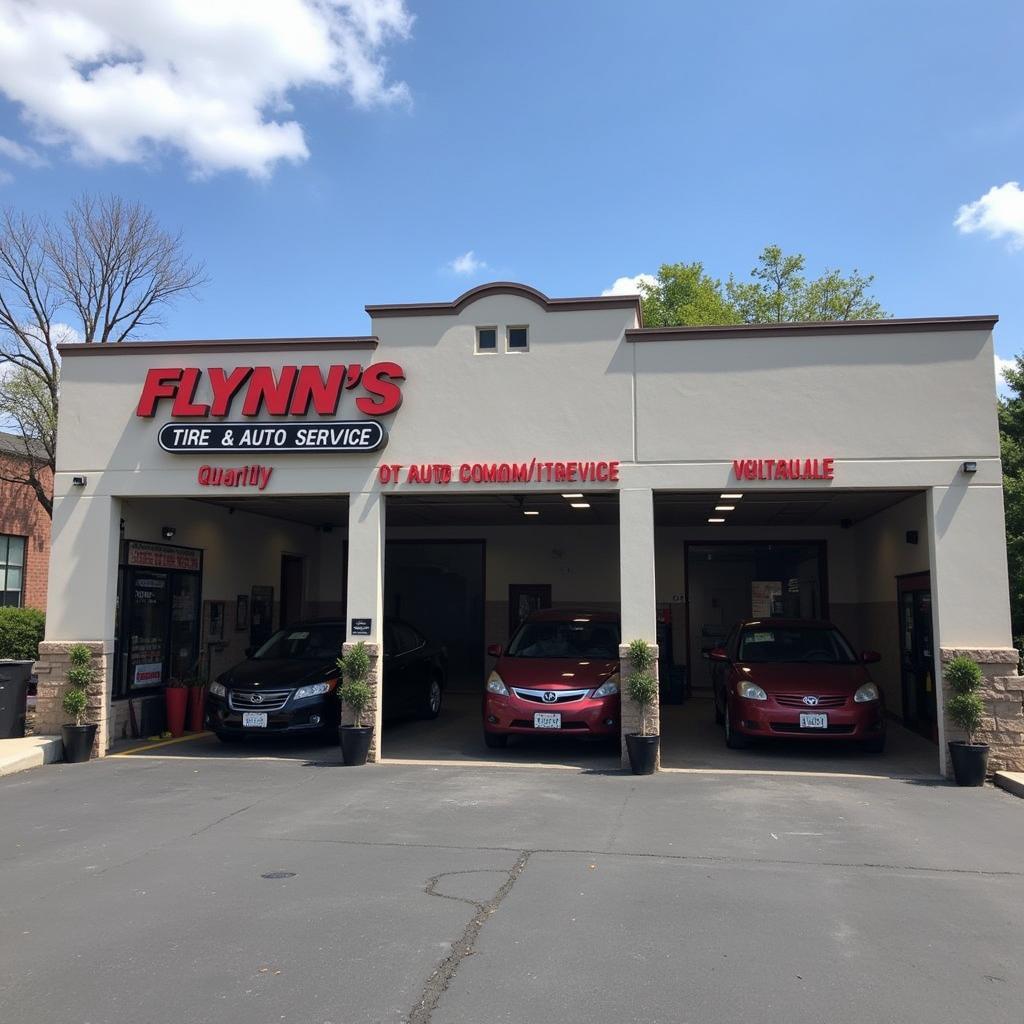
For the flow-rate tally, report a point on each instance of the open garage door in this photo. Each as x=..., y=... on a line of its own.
x=789, y=563
x=463, y=572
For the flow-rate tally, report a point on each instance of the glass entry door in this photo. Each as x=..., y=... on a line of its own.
x=917, y=654
x=147, y=605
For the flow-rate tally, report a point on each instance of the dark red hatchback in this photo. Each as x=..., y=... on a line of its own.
x=795, y=679
x=559, y=676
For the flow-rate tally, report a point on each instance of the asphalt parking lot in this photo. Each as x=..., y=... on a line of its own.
x=195, y=889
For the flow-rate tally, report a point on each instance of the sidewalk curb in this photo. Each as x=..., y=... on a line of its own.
x=18, y=755
x=1012, y=782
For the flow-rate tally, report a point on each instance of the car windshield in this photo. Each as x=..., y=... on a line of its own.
x=573, y=638
x=794, y=644
x=303, y=643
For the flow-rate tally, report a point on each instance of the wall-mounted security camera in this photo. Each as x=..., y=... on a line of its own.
x=79, y=481
x=969, y=467
x=168, y=532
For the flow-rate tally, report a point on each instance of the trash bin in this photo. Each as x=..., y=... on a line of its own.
x=14, y=679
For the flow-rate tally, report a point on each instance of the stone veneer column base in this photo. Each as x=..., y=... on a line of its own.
x=52, y=668
x=1002, y=728
x=372, y=716
x=630, y=710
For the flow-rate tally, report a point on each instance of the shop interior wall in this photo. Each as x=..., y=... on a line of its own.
x=581, y=564
x=883, y=553
x=240, y=550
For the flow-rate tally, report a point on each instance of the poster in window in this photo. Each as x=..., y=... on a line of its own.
x=215, y=628
x=241, y=613
x=763, y=594
x=261, y=614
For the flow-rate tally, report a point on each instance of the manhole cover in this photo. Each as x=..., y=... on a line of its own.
x=279, y=874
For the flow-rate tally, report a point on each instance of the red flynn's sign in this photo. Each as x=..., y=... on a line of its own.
x=784, y=469
x=291, y=391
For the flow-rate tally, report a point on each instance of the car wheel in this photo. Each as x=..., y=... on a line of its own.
x=876, y=745
x=229, y=737
x=496, y=740
x=733, y=740
x=430, y=705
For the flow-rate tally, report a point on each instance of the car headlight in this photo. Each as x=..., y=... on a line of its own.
x=311, y=691
x=495, y=685
x=608, y=687
x=867, y=692
x=745, y=688
x=218, y=690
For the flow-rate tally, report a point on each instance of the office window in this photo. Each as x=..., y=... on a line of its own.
x=487, y=339
x=12, y=570
x=518, y=339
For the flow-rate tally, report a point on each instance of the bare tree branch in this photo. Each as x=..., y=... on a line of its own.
x=106, y=271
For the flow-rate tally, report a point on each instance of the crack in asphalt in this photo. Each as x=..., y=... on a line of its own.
x=680, y=857
x=438, y=982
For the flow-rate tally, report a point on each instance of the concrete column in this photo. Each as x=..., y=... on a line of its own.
x=636, y=595
x=365, y=599
x=81, y=601
x=970, y=599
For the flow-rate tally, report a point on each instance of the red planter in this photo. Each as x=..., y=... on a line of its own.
x=196, y=706
x=177, y=705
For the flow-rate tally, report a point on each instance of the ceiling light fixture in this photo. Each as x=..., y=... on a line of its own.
x=580, y=504
x=527, y=512
x=727, y=496
x=572, y=495
x=725, y=508
x=716, y=520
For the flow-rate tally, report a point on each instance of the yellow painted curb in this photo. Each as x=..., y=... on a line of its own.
x=162, y=743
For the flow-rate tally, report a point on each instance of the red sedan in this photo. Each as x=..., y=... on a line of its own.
x=559, y=675
x=795, y=679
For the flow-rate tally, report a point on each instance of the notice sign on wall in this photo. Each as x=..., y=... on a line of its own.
x=335, y=436
x=164, y=556
x=148, y=675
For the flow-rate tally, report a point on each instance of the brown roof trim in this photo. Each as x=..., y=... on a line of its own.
x=136, y=348
x=892, y=325
x=507, y=288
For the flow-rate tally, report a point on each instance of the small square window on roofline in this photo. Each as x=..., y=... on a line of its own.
x=518, y=339
x=487, y=339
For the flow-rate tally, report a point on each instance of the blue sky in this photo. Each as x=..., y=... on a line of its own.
x=562, y=144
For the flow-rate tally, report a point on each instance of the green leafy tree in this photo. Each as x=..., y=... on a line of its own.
x=778, y=291
x=1011, y=444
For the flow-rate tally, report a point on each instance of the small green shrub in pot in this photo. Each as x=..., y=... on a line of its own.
x=82, y=672
x=642, y=689
x=357, y=695
x=74, y=702
x=966, y=710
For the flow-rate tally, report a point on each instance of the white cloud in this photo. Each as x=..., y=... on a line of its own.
x=466, y=264
x=21, y=154
x=1002, y=388
x=118, y=80
x=630, y=285
x=999, y=212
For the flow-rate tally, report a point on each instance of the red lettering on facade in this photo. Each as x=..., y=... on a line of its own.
x=225, y=386
x=311, y=386
x=269, y=390
x=159, y=384
x=379, y=380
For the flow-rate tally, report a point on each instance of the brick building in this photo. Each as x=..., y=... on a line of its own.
x=24, y=525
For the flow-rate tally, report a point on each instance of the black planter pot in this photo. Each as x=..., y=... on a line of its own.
x=355, y=743
x=78, y=740
x=643, y=753
x=970, y=762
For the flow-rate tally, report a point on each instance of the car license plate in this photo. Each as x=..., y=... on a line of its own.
x=547, y=721
x=254, y=719
x=814, y=721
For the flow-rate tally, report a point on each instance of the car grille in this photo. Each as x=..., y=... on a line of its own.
x=561, y=696
x=796, y=700
x=258, y=700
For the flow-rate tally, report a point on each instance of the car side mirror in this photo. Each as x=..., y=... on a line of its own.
x=718, y=654
x=870, y=657
x=494, y=650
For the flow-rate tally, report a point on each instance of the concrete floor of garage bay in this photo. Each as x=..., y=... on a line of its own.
x=182, y=890
x=690, y=741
